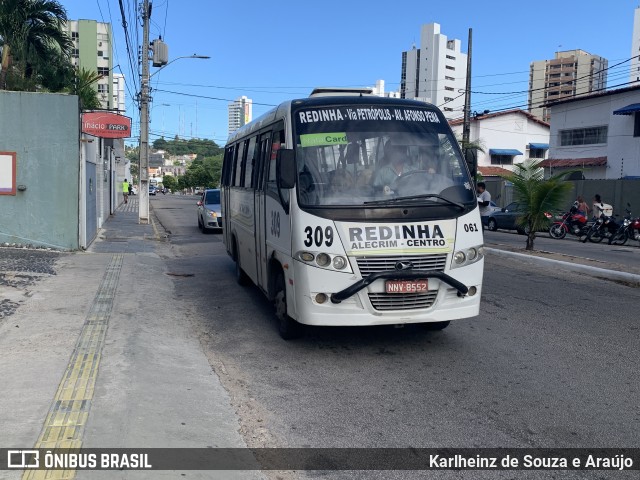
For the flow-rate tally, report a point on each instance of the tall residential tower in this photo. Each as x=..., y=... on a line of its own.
x=635, y=48
x=240, y=113
x=436, y=72
x=570, y=73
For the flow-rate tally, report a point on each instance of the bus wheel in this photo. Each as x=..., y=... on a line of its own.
x=241, y=277
x=435, y=325
x=287, y=326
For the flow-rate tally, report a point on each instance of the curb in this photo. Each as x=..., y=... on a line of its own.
x=572, y=267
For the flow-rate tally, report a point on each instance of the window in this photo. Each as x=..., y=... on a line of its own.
x=583, y=136
x=103, y=71
x=75, y=35
x=103, y=88
x=450, y=57
x=276, y=143
x=100, y=53
x=227, y=168
x=250, y=161
x=448, y=99
x=636, y=125
x=452, y=79
x=450, y=89
x=449, y=67
x=501, y=159
x=237, y=169
x=75, y=53
x=536, y=153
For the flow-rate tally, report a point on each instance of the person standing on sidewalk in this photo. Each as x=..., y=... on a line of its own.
x=125, y=190
x=484, y=198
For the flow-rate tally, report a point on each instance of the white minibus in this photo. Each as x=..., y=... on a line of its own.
x=346, y=208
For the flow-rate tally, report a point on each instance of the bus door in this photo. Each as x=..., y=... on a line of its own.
x=262, y=171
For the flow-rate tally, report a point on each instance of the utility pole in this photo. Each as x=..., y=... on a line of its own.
x=466, y=129
x=143, y=189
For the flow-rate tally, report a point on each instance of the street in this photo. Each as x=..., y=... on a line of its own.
x=550, y=362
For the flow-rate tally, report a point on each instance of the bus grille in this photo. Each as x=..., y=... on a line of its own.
x=426, y=263
x=405, y=301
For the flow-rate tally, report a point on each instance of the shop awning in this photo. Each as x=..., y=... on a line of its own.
x=539, y=146
x=628, y=110
x=504, y=151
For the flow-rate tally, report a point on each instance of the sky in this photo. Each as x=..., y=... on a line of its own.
x=281, y=49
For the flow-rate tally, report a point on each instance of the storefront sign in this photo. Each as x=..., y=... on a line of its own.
x=106, y=125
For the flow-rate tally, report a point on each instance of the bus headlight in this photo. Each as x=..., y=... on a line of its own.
x=323, y=259
x=307, y=256
x=468, y=256
x=459, y=258
x=339, y=263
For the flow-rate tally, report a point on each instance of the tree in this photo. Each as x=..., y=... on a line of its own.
x=83, y=87
x=170, y=182
x=29, y=30
x=537, y=195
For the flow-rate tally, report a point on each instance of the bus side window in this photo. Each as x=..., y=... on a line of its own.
x=237, y=182
x=227, y=166
x=249, y=161
x=263, y=161
x=277, y=140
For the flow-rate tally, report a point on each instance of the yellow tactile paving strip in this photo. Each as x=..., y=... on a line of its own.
x=67, y=417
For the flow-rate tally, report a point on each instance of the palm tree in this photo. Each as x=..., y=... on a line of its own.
x=537, y=195
x=83, y=86
x=29, y=29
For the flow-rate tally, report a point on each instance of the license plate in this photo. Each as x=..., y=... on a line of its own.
x=406, y=286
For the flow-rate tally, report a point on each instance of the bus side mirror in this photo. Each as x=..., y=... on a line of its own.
x=285, y=168
x=472, y=161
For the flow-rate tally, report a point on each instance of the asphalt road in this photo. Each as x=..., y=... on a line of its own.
x=551, y=361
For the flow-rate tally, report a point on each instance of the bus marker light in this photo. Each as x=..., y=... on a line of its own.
x=472, y=291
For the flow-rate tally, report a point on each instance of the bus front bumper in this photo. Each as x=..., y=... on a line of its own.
x=400, y=275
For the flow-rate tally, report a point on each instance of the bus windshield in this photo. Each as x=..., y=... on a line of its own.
x=366, y=154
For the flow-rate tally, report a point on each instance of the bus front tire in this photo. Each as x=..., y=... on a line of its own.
x=288, y=328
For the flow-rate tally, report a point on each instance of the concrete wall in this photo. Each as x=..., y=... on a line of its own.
x=614, y=192
x=43, y=129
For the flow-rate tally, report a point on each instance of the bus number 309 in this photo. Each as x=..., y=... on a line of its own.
x=318, y=236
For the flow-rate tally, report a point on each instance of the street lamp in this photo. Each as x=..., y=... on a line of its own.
x=143, y=199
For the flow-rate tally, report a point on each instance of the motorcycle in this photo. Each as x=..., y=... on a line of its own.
x=574, y=222
x=603, y=227
x=628, y=229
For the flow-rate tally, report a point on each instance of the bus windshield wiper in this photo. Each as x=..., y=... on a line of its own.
x=416, y=197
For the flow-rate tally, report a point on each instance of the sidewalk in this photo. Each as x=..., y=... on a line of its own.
x=96, y=351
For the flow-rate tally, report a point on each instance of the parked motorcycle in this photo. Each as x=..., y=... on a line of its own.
x=574, y=222
x=634, y=229
x=603, y=227
x=628, y=229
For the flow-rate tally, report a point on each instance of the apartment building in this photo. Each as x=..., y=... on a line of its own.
x=435, y=72
x=240, y=113
x=571, y=73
